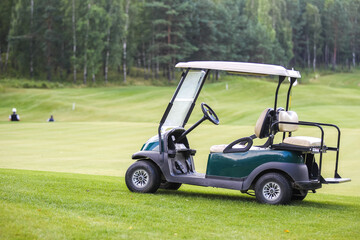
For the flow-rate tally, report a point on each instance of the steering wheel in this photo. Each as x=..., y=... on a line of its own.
x=210, y=114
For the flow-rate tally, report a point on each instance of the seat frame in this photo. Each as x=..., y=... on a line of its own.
x=274, y=128
x=317, y=149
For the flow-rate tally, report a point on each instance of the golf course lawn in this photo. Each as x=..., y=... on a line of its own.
x=65, y=179
x=46, y=205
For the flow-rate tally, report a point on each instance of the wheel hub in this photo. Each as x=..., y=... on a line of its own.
x=271, y=191
x=140, y=178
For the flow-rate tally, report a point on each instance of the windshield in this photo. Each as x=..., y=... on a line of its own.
x=184, y=98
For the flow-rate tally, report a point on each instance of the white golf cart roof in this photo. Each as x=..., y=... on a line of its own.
x=241, y=67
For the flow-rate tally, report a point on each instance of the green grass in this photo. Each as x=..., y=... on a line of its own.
x=71, y=206
x=348, y=80
x=241, y=104
x=109, y=124
x=105, y=148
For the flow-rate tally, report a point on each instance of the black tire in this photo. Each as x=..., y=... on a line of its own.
x=273, y=188
x=143, y=177
x=299, y=195
x=169, y=185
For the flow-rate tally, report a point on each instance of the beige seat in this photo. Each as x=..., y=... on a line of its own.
x=262, y=126
x=220, y=148
x=303, y=141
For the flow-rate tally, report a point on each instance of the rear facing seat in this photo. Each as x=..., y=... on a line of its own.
x=302, y=141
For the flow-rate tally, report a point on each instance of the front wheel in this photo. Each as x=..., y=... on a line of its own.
x=273, y=188
x=143, y=176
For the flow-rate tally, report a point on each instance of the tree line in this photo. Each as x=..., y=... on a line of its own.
x=86, y=40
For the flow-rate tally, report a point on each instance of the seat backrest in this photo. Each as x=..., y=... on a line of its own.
x=262, y=127
x=288, y=116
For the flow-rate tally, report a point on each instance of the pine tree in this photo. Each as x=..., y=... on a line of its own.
x=47, y=38
x=169, y=22
x=73, y=21
x=18, y=38
x=294, y=15
x=51, y=26
x=125, y=37
x=353, y=8
x=335, y=23
x=5, y=18
x=99, y=22
x=312, y=30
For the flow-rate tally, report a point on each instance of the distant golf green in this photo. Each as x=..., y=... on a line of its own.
x=96, y=130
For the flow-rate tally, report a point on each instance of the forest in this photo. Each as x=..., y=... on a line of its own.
x=89, y=41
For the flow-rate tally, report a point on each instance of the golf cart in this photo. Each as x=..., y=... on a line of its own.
x=277, y=172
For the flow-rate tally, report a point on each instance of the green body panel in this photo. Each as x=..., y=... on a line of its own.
x=149, y=146
x=152, y=144
x=239, y=165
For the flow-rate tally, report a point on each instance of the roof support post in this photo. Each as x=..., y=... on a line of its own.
x=288, y=100
x=281, y=79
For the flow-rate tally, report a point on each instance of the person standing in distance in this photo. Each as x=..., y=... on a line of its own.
x=51, y=119
x=14, y=116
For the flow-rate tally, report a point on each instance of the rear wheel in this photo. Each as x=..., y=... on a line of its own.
x=143, y=176
x=273, y=188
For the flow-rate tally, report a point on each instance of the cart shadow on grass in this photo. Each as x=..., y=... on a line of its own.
x=243, y=199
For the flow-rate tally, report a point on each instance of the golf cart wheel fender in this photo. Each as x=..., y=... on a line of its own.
x=152, y=155
x=157, y=159
x=296, y=172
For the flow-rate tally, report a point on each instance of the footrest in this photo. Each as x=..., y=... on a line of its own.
x=337, y=180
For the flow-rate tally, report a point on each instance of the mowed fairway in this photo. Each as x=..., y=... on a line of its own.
x=43, y=205
x=108, y=125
